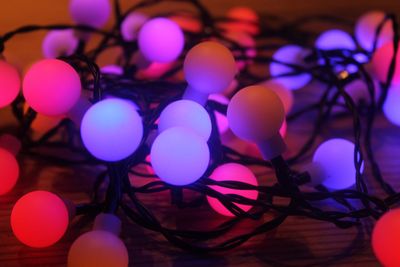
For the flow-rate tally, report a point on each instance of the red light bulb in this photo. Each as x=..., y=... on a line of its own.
x=9, y=171
x=39, y=219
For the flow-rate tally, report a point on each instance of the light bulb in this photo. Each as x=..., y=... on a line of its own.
x=112, y=69
x=209, y=68
x=232, y=172
x=161, y=40
x=51, y=87
x=385, y=238
x=179, y=156
x=94, y=13
x=187, y=22
x=245, y=20
x=9, y=171
x=381, y=61
x=112, y=129
x=289, y=54
x=367, y=26
x=130, y=26
x=284, y=93
x=186, y=113
x=9, y=83
x=256, y=114
x=335, y=39
x=59, y=43
x=39, y=219
x=391, y=105
x=100, y=247
x=336, y=158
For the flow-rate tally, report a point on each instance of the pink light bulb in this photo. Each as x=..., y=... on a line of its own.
x=232, y=172
x=59, y=43
x=9, y=83
x=381, y=62
x=51, y=87
x=161, y=40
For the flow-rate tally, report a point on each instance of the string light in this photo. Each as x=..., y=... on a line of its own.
x=59, y=43
x=335, y=39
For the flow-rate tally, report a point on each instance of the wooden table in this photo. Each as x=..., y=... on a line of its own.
x=298, y=242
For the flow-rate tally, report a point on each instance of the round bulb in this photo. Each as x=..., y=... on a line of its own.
x=385, y=238
x=9, y=171
x=289, y=54
x=179, y=156
x=391, y=105
x=335, y=39
x=209, y=67
x=161, y=40
x=336, y=158
x=59, y=43
x=9, y=83
x=51, y=87
x=130, y=26
x=381, y=61
x=284, y=93
x=232, y=172
x=366, y=27
x=255, y=114
x=186, y=113
x=98, y=248
x=112, y=129
x=39, y=219
x=244, y=19
x=94, y=13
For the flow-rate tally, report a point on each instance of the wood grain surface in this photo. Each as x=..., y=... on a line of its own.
x=298, y=242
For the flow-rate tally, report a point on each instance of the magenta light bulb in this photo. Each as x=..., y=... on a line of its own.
x=161, y=40
x=131, y=25
x=336, y=158
x=289, y=54
x=179, y=156
x=59, y=43
x=335, y=39
x=232, y=172
x=94, y=13
x=209, y=68
x=186, y=113
x=112, y=129
x=51, y=87
x=10, y=83
x=366, y=27
x=381, y=61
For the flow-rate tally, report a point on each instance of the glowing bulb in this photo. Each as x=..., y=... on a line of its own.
x=51, y=87
x=130, y=26
x=256, y=114
x=39, y=219
x=209, y=68
x=366, y=27
x=94, y=13
x=335, y=39
x=59, y=43
x=336, y=158
x=222, y=120
x=385, y=238
x=112, y=69
x=391, y=105
x=9, y=171
x=100, y=247
x=187, y=22
x=179, y=156
x=10, y=143
x=161, y=40
x=186, y=113
x=112, y=129
x=283, y=92
x=381, y=61
x=232, y=172
x=246, y=20
x=9, y=83
x=289, y=54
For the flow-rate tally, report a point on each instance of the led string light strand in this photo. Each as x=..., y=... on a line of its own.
x=152, y=96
